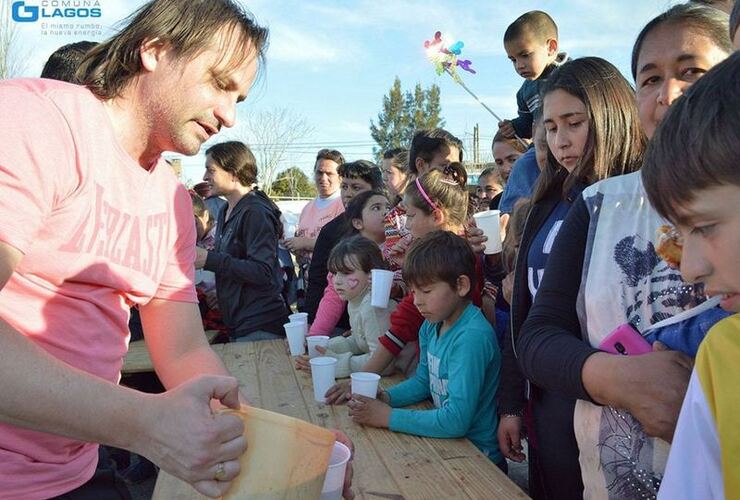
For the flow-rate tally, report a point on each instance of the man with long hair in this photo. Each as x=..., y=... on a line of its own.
x=96, y=222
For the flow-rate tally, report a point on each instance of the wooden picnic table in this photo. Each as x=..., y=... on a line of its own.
x=137, y=358
x=387, y=465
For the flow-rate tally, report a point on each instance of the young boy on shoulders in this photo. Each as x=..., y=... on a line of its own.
x=531, y=42
x=459, y=360
x=698, y=189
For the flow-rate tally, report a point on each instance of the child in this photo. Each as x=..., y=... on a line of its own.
x=351, y=262
x=459, y=358
x=433, y=201
x=531, y=42
x=364, y=216
x=433, y=149
x=698, y=188
x=396, y=176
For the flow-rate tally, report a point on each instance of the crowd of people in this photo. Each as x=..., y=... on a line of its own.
x=605, y=333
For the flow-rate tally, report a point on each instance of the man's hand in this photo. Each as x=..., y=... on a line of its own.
x=368, y=411
x=650, y=386
x=506, y=128
x=510, y=438
x=186, y=439
x=201, y=254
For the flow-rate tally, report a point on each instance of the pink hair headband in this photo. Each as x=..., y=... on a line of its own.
x=425, y=196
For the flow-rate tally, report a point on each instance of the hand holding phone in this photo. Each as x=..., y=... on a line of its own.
x=625, y=340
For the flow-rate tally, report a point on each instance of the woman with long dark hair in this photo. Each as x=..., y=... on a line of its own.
x=593, y=132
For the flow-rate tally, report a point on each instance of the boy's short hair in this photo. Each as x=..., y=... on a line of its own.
x=428, y=142
x=63, y=62
x=723, y=5
x=329, y=154
x=697, y=144
x=355, y=252
x=534, y=22
x=439, y=256
x=365, y=170
x=734, y=19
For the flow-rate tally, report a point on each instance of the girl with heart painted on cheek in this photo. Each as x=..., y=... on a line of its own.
x=351, y=262
x=364, y=217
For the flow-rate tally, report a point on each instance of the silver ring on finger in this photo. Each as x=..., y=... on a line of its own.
x=220, y=474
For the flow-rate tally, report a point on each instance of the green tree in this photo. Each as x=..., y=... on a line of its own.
x=393, y=121
x=403, y=113
x=293, y=183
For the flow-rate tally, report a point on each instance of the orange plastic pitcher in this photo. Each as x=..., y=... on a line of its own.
x=286, y=458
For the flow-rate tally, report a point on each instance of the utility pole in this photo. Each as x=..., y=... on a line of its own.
x=476, y=145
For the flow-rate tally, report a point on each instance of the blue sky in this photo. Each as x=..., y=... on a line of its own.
x=331, y=62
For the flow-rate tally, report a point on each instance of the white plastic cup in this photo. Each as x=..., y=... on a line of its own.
x=489, y=223
x=316, y=340
x=323, y=369
x=296, y=338
x=365, y=384
x=298, y=318
x=301, y=318
x=334, y=481
x=381, y=289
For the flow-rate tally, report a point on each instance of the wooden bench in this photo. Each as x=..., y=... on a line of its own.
x=387, y=465
x=137, y=358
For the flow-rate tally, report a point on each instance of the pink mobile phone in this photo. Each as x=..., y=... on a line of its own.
x=625, y=340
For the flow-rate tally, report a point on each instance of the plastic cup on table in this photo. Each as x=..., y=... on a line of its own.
x=381, y=288
x=365, y=384
x=489, y=222
x=334, y=481
x=323, y=369
x=296, y=338
x=316, y=340
x=301, y=318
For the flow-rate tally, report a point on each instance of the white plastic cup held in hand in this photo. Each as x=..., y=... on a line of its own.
x=334, y=481
x=323, y=369
x=381, y=289
x=489, y=223
x=365, y=384
x=296, y=338
x=316, y=340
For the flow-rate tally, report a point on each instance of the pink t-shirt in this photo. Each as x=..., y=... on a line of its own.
x=99, y=234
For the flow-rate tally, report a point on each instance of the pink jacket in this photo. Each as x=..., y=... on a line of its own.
x=330, y=310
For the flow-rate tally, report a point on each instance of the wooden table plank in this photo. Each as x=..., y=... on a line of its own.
x=388, y=465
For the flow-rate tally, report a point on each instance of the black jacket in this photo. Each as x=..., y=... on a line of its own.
x=248, y=275
x=512, y=397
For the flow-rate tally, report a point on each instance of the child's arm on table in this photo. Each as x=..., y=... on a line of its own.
x=377, y=412
x=341, y=391
x=466, y=379
x=343, y=349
